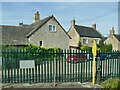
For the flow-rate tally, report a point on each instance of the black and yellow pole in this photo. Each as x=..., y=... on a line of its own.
x=94, y=49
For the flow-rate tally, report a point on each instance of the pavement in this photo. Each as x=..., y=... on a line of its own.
x=52, y=85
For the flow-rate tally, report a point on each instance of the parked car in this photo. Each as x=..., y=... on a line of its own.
x=103, y=56
x=112, y=56
x=100, y=56
x=76, y=58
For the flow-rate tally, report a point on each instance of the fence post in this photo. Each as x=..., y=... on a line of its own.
x=119, y=61
x=98, y=73
x=54, y=71
x=3, y=65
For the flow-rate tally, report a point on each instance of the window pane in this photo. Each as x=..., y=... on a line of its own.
x=50, y=27
x=54, y=29
x=97, y=41
x=40, y=43
x=85, y=40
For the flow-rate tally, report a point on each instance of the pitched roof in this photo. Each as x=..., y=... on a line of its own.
x=117, y=36
x=18, y=35
x=35, y=26
x=84, y=31
x=14, y=35
x=104, y=38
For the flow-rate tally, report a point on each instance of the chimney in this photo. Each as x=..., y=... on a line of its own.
x=94, y=26
x=36, y=17
x=73, y=23
x=112, y=31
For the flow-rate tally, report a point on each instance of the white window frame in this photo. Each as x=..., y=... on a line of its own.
x=52, y=28
x=39, y=43
x=86, y=40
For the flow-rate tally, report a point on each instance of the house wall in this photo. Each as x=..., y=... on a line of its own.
x=75, y=37
x=112, y=40
x=57, y=39
x=90, y=41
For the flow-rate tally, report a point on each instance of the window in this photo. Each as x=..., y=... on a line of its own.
x=52, y=28
x=40, y=43
x=97, y=41
x=85, y=40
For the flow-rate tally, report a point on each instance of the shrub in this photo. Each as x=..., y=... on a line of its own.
x=103, y=47
x=28, y=52
x=111, y=83
x=86, y=48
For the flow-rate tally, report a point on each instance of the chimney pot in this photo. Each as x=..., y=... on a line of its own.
x=94, y=25
x=36, y=16
x=21, y=24
x=112, y=31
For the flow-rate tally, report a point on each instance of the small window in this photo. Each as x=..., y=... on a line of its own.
x=97, y=41
x=40, y=43
x=52, y=28
x=85, y=40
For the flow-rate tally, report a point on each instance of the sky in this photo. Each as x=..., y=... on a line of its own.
x=104, y=14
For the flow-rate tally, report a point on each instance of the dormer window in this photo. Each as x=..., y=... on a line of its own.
x=52, y=28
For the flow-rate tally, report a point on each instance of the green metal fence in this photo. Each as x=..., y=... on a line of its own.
x=64, y=65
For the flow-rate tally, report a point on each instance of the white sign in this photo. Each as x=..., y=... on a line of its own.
x=27, y=64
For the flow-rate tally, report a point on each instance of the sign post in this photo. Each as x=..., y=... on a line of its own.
x=94, y=48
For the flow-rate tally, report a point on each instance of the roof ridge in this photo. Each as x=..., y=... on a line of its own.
x=39, y=25
x=83, y=26
x=117, y=36
x=41, y=19
x=87, y=31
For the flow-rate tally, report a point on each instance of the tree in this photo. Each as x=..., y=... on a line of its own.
x=103, y=47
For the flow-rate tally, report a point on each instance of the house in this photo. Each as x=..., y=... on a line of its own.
x=46, y=32
x=113, y=39
x=83, y=35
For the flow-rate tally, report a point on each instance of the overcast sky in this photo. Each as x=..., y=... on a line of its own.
x=104, y=14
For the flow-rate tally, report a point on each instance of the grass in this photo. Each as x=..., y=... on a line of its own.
x=111, y=83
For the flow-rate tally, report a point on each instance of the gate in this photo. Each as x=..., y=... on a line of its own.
x=64, y=65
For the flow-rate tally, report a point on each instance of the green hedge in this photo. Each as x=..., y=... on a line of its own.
x=101, y=47
x=12, y=54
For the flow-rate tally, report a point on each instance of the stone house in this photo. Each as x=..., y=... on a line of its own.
x=45, y=32
x=113, y=39
x=83, y=35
